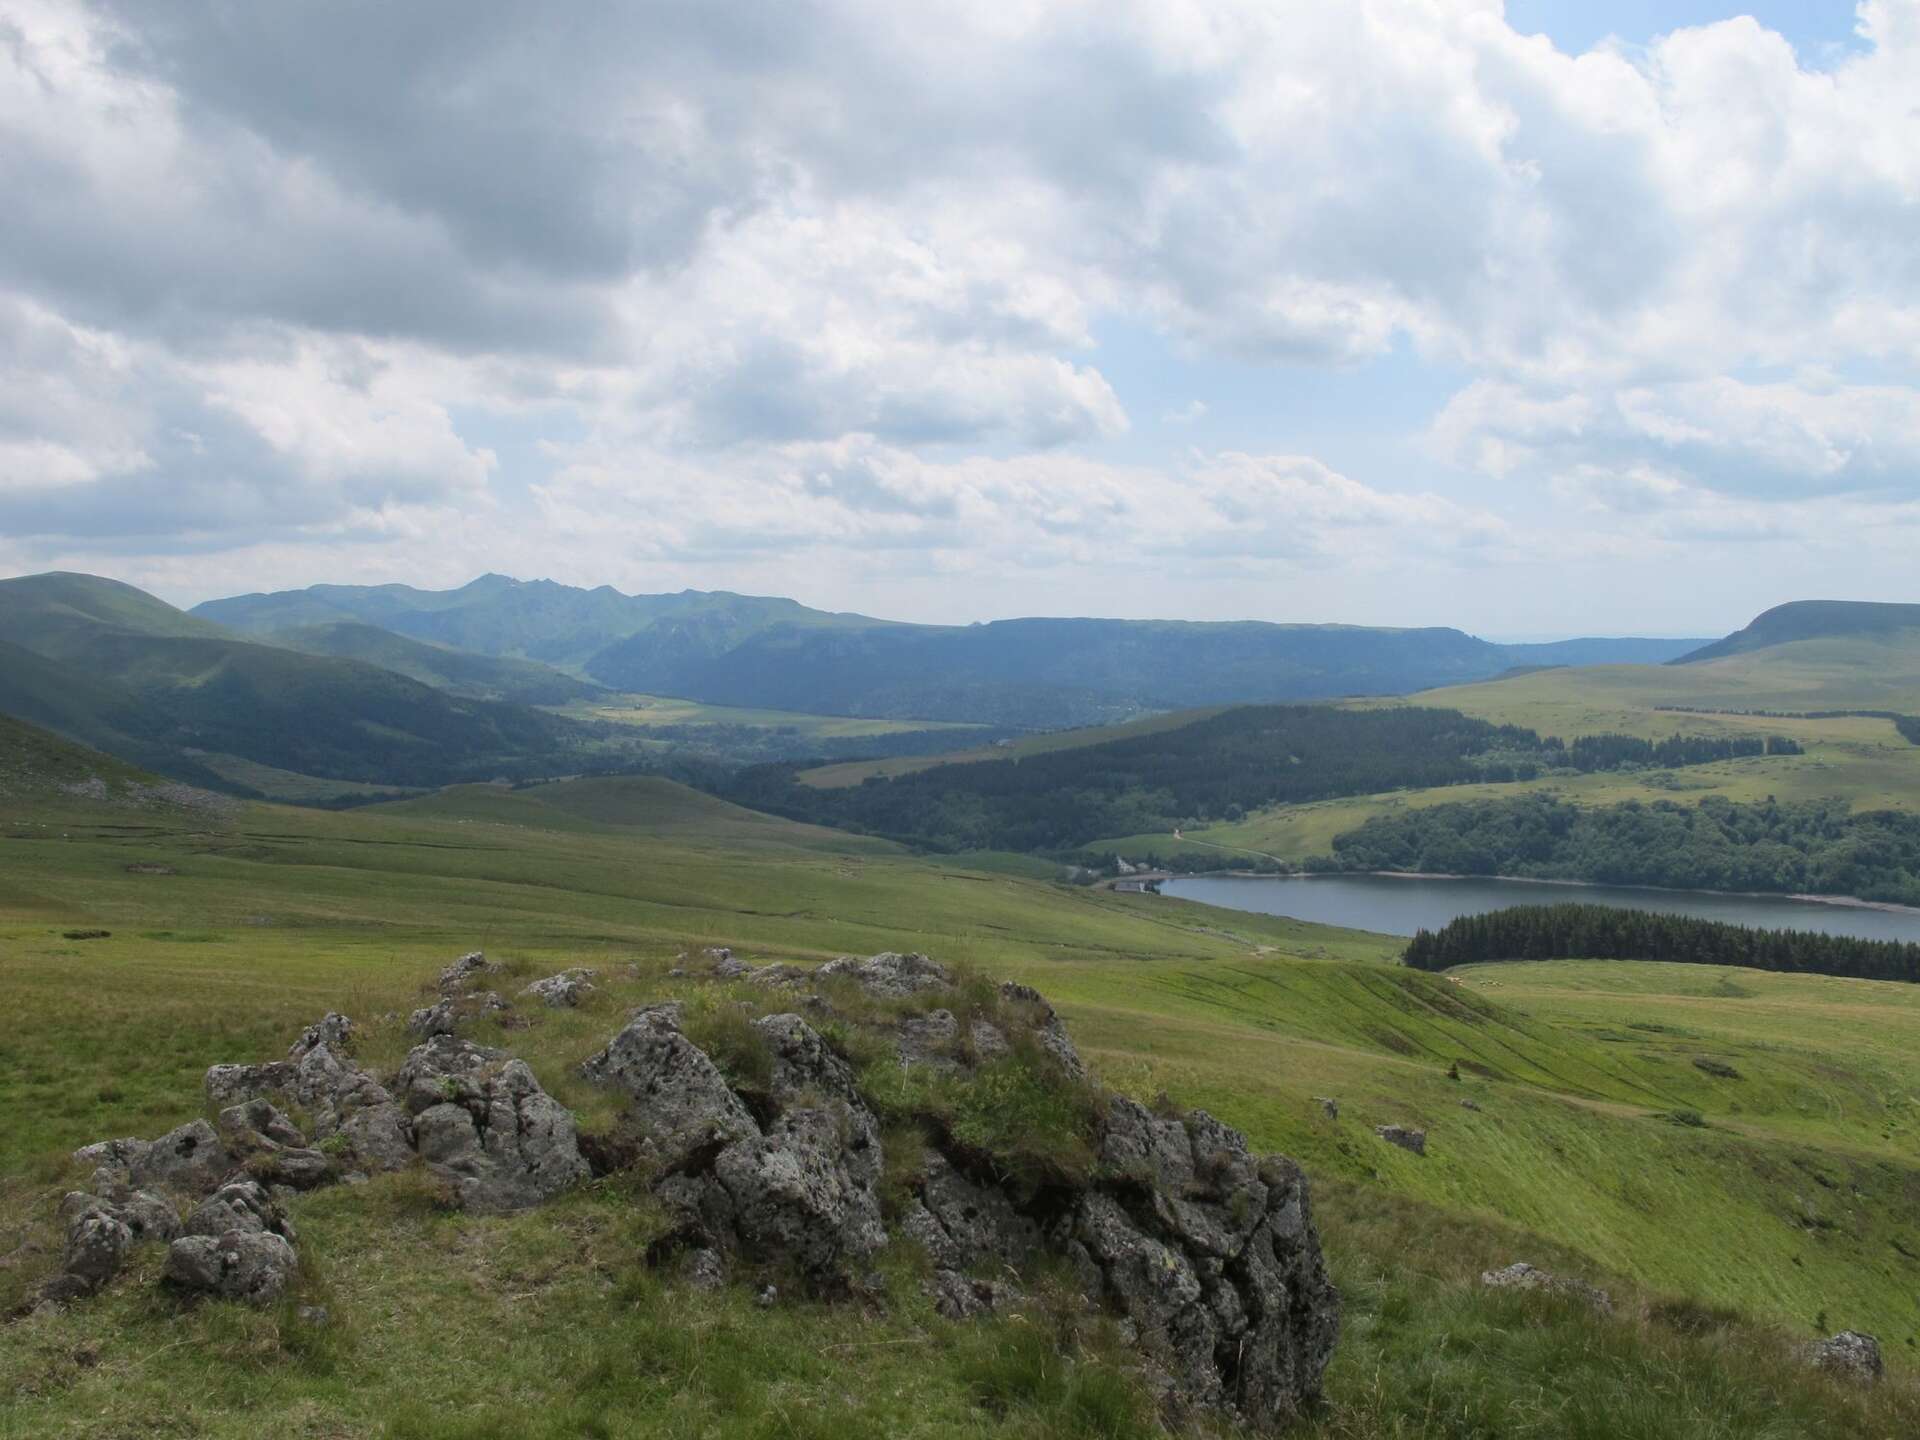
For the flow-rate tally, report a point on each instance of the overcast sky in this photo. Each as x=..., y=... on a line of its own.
x=1543, y=318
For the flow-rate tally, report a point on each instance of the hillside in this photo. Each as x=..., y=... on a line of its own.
x=1816, y=620
x=133, y=676
x=752, y=651
x=1784, y=1213
x=659, y=808
x=458, y=672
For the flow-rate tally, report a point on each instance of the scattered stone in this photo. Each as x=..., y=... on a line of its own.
x=1405, y=1136
x=1522, y=1276
x=251, y=1266
x=563, y=991
x=1468, y=1105
x=86, y=934
x=258, y=1125
x=318, y=1316
x=1719, y=1069
x=146, y=1215
x=766, y=1298
x=1328, y=1106
x=782, y=975
x=430, y=1020
x=1851, y=1354
x=97, y=1245
x=481, y=1120
x=333, y=1030
x=460, y=973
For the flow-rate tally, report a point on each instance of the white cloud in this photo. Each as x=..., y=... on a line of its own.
x=831, y=274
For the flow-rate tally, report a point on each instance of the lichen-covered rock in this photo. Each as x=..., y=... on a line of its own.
x=804, y=1194
x=333, y=1030
x=1522, y=1276
x=460, y=974
x=1049, y=1029
x=890, y=975
x=188, y=1159
x=436, y=1019
x=97, y=1245
x=1851, y=1354
x=146, y=1215
x=226, y=1084
x=961, y=1224
x=1405, y=1136
x=1212, y=1255
x=242, y=1207
x=251, y=1266
x=482, y=1121
x=682, y=1107
x=257, y=1125
x=563, y=991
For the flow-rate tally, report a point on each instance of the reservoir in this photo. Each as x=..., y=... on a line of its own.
x=1398, y=905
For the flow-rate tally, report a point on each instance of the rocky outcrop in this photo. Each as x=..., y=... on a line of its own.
x=1206, y=1251
x=1405, y=1136
x=482, y=1122
x=1851, y=1354
x=1522, y=1276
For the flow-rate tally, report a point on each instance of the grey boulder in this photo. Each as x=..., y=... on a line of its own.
x=482, y=1122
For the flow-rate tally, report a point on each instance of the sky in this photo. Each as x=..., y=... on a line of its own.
x=1543, y=318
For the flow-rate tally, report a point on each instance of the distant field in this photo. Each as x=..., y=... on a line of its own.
x=828, y=777
x=653, y=712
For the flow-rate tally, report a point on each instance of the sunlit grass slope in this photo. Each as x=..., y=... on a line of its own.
x=1798, y=1194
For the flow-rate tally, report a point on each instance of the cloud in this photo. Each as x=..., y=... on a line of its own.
x=833, y=272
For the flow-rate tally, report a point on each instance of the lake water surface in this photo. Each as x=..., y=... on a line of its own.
x=1398, y=905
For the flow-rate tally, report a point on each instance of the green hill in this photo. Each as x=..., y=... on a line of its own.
x=660, y=808
x=458, y=672
x=1816, y=620
x=131, y=675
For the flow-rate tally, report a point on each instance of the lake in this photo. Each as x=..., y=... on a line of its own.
x=1395, y=905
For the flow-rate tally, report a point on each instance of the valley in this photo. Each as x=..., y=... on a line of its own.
x=1733, y=1154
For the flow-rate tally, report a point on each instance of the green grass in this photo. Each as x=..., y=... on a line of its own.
x=653, y=712
x=1861, y=760
x=1793, y=1198
x=833, y=777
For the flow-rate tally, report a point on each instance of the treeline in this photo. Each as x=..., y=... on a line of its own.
x=1817, y=847
x=1217, y=768
x=1213, y=770
x=1601, y=932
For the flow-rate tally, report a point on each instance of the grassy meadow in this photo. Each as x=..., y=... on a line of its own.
x=1860, y=759
x=1789, y=1203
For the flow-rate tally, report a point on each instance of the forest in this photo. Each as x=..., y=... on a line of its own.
x=1814, y=847
x=1602, y=932
x=1216, y=769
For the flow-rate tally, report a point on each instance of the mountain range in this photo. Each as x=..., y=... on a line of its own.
x=728, y=649
x=336, y=689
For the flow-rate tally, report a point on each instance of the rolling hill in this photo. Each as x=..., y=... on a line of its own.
x=128, y=674
x=1898, y=625
x=458, y=672
x=756, y=651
